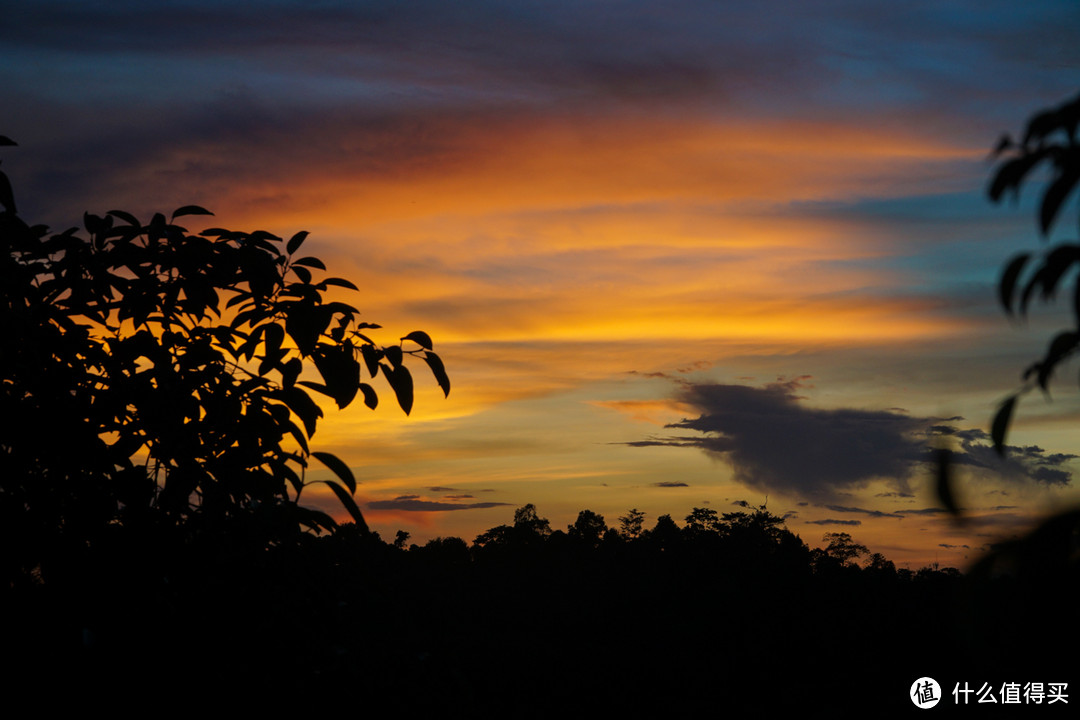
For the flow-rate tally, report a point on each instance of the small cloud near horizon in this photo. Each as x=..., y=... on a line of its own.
x=413, y=503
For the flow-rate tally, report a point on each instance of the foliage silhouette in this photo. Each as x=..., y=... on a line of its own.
x=642, y=622
x=842, y=548
x=631, y=626
x=528, y=531
x=701, y=521
x=632, y=524
x=1050, y=141
x=528, y=521
x=665, y=534
x=159, y=381
x=588, y=529
x=1017, y=580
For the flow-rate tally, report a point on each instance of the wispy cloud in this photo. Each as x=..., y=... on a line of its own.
x=1028, y=463
x=414, y=503
x=863, y=511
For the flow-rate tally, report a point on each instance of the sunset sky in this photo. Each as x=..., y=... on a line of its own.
x=673, y=256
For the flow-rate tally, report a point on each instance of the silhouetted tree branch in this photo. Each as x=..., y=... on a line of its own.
x=1050, y=141
x=157, y=382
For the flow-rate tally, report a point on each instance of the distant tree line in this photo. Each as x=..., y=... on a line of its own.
x=524, y=622
x=733, y=540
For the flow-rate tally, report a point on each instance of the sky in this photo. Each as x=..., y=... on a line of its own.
x=695, y=255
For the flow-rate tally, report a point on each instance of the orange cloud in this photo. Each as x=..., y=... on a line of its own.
x=514, y=164
x=655, y=412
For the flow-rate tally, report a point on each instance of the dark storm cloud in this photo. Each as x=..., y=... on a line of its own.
x=670, y=484
x=774, y=441
x=830, y=521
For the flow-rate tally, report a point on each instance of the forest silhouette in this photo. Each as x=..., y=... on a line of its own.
x=159, y=427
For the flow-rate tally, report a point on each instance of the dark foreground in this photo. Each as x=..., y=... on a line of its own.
x=537, y=626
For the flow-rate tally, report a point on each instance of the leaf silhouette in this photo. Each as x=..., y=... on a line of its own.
x=351, y=506
x=421, y=338
x=296, y=241
x=944, y=484
x=401, y=382
x=1000, y=425
x=439, y=371
x=371, y=399
x=1061, y=347
x=190, y=210
x=1011, y=175
x=338, y=282
x=1009, y=279
x=7, y=195
x=1055, y=195
x=338, y=467
x=126, y=217
x=310, y=262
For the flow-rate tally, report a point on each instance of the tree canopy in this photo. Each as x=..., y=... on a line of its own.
x=159, y=380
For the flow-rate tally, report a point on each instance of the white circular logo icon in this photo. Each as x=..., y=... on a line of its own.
x=925, y=692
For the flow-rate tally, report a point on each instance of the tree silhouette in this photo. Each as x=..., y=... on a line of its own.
x=527, y=521
x=157, y=382
x=528, y=530
x=842, y=548
x=665, y=534
x=1050, y=140
x=760, y=523
x=588, y=529
x=880, y=564
x=632, y=524
x=701, y=521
